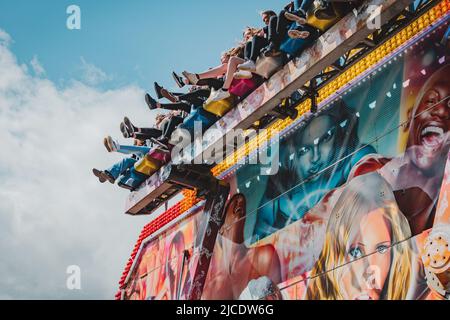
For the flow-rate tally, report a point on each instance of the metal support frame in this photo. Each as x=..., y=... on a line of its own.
x=166, y=183
x=186, y=257
x=216, y=194
x=286, y=109
x=214, y=216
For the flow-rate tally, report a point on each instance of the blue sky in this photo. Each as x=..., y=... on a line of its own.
x=132, y=42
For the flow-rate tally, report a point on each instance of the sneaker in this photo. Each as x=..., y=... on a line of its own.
x=110, y=144
x=103, y=176
x=129, y=126
x=325, y=13
x=243, y=74
x=219, y=95
x=191, y=77
x=99, y=175
x=105, y=143
x=297, y=16
x=158, y=89
x=179, y=80
x=151, y=103
x=298, y=34
x=248, y=65
x=169, y=96
x=124, y=130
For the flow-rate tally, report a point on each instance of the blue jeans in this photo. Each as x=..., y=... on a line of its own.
x=121, y=167
x=137, y=150
x=132, y=179
x=303, y=5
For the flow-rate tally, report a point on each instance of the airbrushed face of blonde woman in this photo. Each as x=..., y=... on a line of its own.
x=364, y=279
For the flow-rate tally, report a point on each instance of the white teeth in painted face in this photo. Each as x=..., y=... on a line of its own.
x=432, y=129
x=364, y=296
x=432, y=137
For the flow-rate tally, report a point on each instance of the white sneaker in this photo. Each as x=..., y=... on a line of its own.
x=299, y=17
x=297, y=34
x=243, y=74
x=248, y=65
x=218, y=95
x=191, y=77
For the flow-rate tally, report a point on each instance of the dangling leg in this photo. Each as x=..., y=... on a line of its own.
x=112, y=173
x=301, y=7
x=223, y=92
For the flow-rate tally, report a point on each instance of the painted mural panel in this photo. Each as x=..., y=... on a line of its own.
x=389, y=278
x=358, y=209
x=162, y=269
x=355, y=198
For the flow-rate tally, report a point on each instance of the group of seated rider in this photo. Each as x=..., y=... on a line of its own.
x=214, y=92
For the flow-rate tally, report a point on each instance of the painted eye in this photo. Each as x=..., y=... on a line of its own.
x=327, y=136
x=355, y=253
x=302, y=151
x=382, y=249
x=431, y=102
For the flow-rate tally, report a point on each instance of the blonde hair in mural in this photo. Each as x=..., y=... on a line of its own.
x=358, y=199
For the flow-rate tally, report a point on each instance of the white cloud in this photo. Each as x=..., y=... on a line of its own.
x=37, y=67
x=5, y=37
x=91, y=74
x=53, y=212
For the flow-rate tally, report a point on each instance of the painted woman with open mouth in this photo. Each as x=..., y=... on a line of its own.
x=416, y=175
